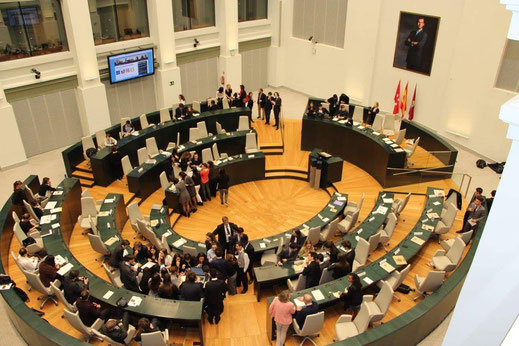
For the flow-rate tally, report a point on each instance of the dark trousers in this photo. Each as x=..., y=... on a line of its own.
x=242, y=280
x=276, y=116
x=213, y=312
x=267, y=115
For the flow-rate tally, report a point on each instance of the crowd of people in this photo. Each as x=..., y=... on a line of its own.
x=339, y=108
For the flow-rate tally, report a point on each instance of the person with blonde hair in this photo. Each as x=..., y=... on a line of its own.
x=281, y=310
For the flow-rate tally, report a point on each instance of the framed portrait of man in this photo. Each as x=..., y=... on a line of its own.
x=415, y=42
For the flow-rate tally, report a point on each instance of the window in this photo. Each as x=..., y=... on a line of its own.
x=252, y=10
x=31, y=28
x=323, y=20
x=508, y=74
x=193, y=14
x=119, y=20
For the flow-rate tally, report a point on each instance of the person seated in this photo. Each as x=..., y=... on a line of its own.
x=195, y=161
x=147, y=274
x=343, y=112
x=27, y=225
x=212, y=106
x=312, y=271
x=140, y=252
x=73, y=285
x=289, y=254
x=332, y=250
x=29, y=264
x=190, y=289
x=129, y=269
x=322, y=112
x=187, y=262
x=306, y=249
x=340, y=268
x=48, y=270
x=19, y=195
x=220, y=95
x=89, y=311
x=118, y=254
x=236, y=102
x=167, y=289
x=350, y=252
x=145, y=326
x=109, y=141
x=117, y=330
x=311, y=111
x=190, y=112
x=310, y=308
x=153, y=254
x=37, y=209
x=352, y=296
x=180, y=112
x=201, y=260
x=45, y=187
x=154, y=285
x=372, y=112
x=297, y=238
x=128, y=128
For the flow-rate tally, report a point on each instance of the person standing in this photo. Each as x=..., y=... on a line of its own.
x=268, y=108
x=242, y=96
x=261, y=104
x=372, y=113
x=223, y=187
x=215, y=290
x=277, y=108
x=477, y=213
x=205, y=192
x=183, y=196
x=281, y=310
x=416, y=41
x=225, y=232
x=243, y=265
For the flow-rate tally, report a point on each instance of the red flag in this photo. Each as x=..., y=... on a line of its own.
x=403, y=104
x=397, y=99
x=411, y=110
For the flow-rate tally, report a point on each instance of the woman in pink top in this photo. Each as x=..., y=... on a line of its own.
x=281, y=311
x=204, y=180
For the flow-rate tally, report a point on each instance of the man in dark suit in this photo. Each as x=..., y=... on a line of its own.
x=129, y=273
x=214, y=295
x=490, y=200
x=117, y=330
x=310, y=308
x=180, y=112
x=262, y=98
x=190, y=289
x=73, y=285
x=470, y=208
x=312, y=271
x=268, y=108
x=237, y=237
x=477, y=214
x=89, y=311
x=297, y=238
x=416, y=41
x=289, y=254
x=350, y=252
x=225, y=231
x=117, y=255
x=249, y=250
x=140, y=252
x=219, y=262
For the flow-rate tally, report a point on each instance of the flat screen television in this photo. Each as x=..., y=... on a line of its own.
x=30, y=16
x=131, y=65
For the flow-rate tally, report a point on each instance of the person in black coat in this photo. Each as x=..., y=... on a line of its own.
x=223, y=186
x=129, y=273
x=333, y=101
x=344, y=99
x=277, y=108
x=310, y=308
x=213, y=106
x=298, y=238
x=311, y=111
x=352, y=298
x=330, y=247
x=19, y=195
x=372, y=113
x=340, y=268
x=45, y=187
x=249, y=250
x=289, y=254
x=117, y=330
x=268, y=108
x=262, y=98
x=225, y=231
x=145, y=326
x=490, y=200
x=190, y=289
x=147, y=274
x=180, y=112
x=322, y=112
x=118, y=253
x=215, y=290
x=350, y=252
x=116, y=168
x=90, y=311
x=219, y=263
x=140, y=252
x=312, y=271
x=73, y=285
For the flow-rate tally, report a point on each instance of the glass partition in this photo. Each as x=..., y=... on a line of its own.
x=252, y=10
x=118, y=20
x=30, y=28
x=193, y=14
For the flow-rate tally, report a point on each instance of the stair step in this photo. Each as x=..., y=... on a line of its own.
x=86, y=183
x=83, y=166
x=286, y=174
x=83, y=175
x=271, y=146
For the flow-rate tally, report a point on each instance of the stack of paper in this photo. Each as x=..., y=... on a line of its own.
x=266, y=240
x=436, y=203
x=57, y=193
x=399, y=150
x=400, y=260
x=56, y=210
x=251, y=156
x=367, y=280
x=439, y=193
x=168, y=233
x=199, y=244
x=341, y=198
x=151, y=161
x=135, y=301
x=387, y=200
x=433, y=216
x=263, y=245
x=376, y=133
x=55, y=225
x=417, y=240
x=381, y=210
x=110, y=241
x=179, y=243
x=65, y=269
x=148, y=265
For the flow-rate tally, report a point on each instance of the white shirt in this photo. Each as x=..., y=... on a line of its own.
x=110, y=142
x=29, y=264
x=227, y=229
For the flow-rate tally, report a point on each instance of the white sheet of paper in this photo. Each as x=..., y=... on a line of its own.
x=318, y=295
x=65, y=269
x=263, y=245
x=54, y=226
x=341, y=198
x=298, y=303
x=45, y=219
x=367, y=280
x=51, y=205
x=179, y=242
x=436, y=203
x=108, y=295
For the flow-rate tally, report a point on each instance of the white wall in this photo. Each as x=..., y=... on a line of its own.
x=458, y=96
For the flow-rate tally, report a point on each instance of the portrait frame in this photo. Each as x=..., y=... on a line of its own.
x=416, y=56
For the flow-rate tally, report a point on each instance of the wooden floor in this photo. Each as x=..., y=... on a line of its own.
x=262, y=208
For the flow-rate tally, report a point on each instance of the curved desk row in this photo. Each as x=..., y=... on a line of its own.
x=56, y=244
x=110, y=219
x=31, y=327
x=163, y=134
x=374, y=272
x=240, y=168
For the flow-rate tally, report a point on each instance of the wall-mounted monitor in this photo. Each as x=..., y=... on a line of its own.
x=131, y=65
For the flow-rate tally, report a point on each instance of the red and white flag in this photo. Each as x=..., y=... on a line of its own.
x=411, y=110
x=403, y=104
x=397, y=99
